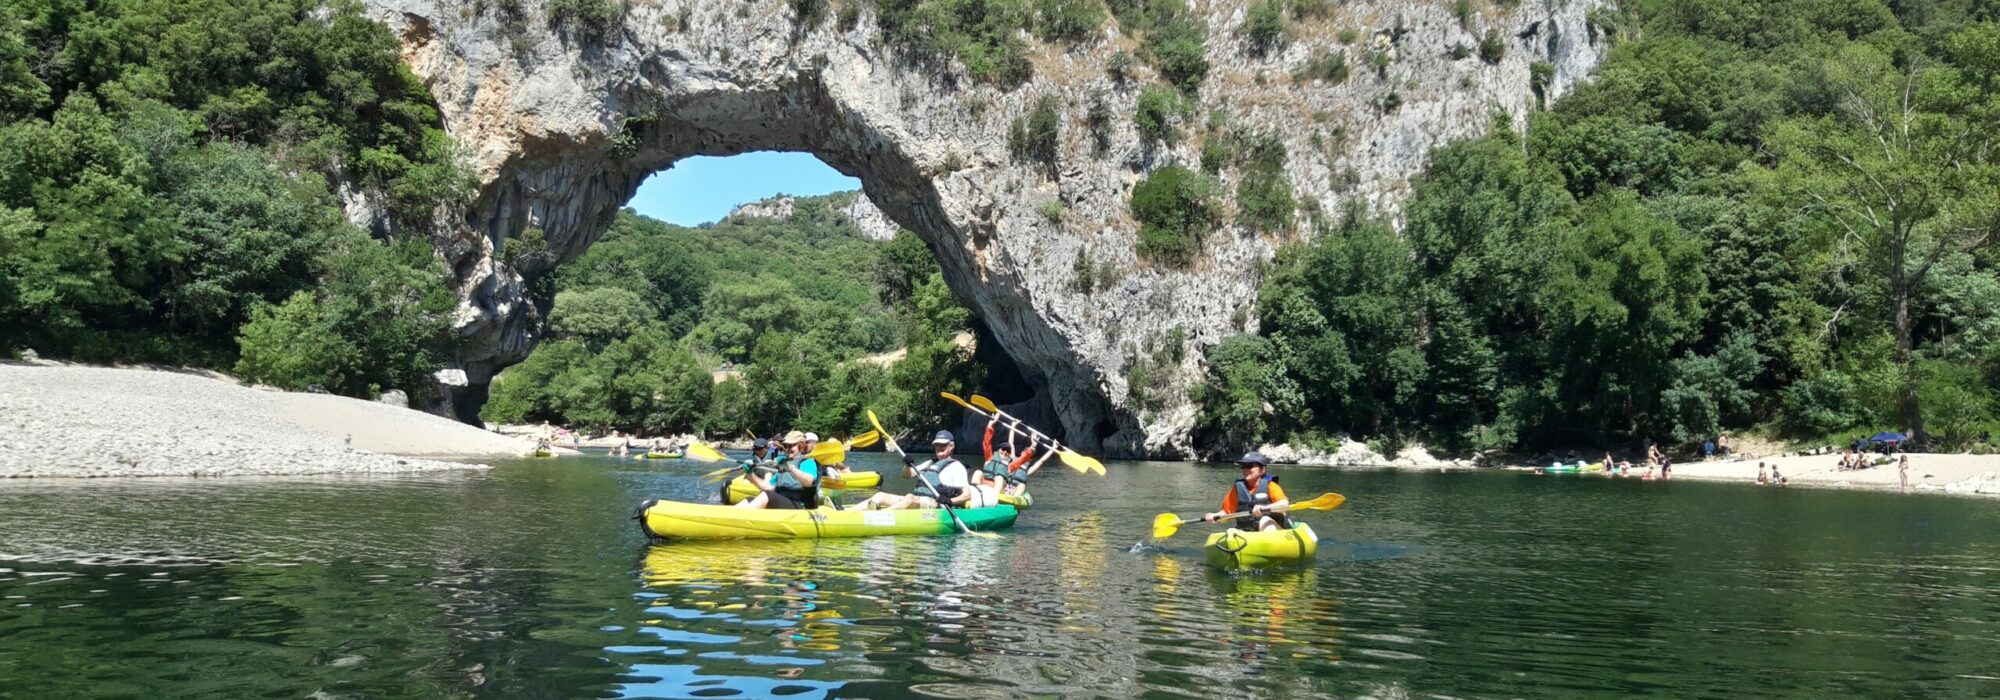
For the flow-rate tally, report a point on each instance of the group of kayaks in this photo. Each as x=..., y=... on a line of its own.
x=1230, y=549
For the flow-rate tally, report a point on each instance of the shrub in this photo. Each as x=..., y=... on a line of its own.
x=1098, y=120
x=1175, y=207
x=1491, y=49
x=1120, y=65
x=1178, y=52
x=1264, y=27
x=1035, y=137
x=1083, y=278
x=1327, y=66
x=1157, y=111
x=1070, y=20
x=808, y=12
x=1264, y=196
x=1052, y=210
x=591, y=20
x=1311, y=9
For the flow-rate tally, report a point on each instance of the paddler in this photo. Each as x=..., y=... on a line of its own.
x=1001, y=464
x=1258, y=493
x=954, y=483
x=792, y=483
x=812, y=443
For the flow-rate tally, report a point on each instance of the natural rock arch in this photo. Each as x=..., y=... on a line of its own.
x=562, y=128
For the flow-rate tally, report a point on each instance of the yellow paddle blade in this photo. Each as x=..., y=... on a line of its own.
x=1080, y=462
x=877, y=422
x=1327, y=501
x=705, y=453
x=985, y=403
x=1165, y=525
x=948, y=396
x=719, y=473
x=829, y=453
x=865, y=439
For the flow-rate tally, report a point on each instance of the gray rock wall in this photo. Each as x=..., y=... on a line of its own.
x=562, y=129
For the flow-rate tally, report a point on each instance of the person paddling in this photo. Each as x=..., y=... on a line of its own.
x=952, y=479
x=1258, y=493
x=794, y=485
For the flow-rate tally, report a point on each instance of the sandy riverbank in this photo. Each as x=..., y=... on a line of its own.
x=75, y=421
x=1954, y=473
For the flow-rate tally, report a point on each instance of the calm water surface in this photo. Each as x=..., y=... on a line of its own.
x=530, y=580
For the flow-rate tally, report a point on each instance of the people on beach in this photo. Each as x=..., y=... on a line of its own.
x=1903, y=472
x=791, y=482
x=1256, y=494
x=942, y=477
x=1761, y=478
x=1776, y=478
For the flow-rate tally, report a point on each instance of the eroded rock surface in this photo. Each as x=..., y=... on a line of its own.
x=562, y=127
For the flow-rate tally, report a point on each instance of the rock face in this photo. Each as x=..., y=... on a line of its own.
x=562, y=127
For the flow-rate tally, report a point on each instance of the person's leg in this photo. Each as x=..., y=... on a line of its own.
x=760, y=501
x=879, y=501
x=776, y=501
x=1267, y=523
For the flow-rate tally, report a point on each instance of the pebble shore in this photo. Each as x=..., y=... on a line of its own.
x=81, y=422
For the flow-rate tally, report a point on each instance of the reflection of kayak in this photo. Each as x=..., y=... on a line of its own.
x=663, y=455
x=677, y=520
x=1024, y=501
x=741, y=489
x=1236, y=549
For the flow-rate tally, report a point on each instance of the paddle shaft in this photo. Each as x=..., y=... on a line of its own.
x=948, y=510
x=1034, y=436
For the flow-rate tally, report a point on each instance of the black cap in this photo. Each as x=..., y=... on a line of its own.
x=1256, y=458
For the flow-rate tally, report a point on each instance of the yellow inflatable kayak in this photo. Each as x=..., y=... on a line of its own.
x=1236, y=549
x=663, y=455
x=740, y=488
x=1022, y=502
x=541, y=453
x=694, y=521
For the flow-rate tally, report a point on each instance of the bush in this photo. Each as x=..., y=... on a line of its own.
x=1264, y=195
x=1174, y=207
x=1264, y=27
x=1034, y=138
x=1491, y=49
x=1083, y=277
x=591, y=20
x=979, y=33
x=1052, y=211
x=1070, y=20
x=1179, y=53
x=1120, y=65
x=1327, y=66
x=1157, y=111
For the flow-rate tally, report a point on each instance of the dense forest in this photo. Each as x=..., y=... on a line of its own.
x=165, y=196
x=794, y=303
x=1770, y=215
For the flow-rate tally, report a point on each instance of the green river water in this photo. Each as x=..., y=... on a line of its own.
x=531, y=581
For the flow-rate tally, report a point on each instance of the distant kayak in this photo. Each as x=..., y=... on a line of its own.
x=541, y=453
x=677, y=520
x=1235, y=549
x=663, y=455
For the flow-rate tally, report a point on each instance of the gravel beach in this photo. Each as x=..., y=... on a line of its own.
x=74, y=421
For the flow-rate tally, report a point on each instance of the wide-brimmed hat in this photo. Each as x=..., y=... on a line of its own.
x=794, y=437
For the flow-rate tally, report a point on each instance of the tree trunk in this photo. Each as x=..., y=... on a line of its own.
x=1907, y=405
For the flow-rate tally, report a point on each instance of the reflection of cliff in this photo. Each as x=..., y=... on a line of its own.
x=563, y=125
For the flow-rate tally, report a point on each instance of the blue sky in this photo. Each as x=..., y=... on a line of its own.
x=701, y=189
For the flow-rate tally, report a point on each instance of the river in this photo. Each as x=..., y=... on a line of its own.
x=531, y=580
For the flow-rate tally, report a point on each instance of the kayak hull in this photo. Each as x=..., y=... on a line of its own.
x=663, y=455
x=541, y=453
x=1022, y=502
x=697, y=521
x=1234, y=549
x=740, y=488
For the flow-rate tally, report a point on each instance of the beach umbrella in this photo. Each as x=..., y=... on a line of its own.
x=1888, y=437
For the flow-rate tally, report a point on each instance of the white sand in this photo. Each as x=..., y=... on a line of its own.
x=75, y=421
x=1963, y=473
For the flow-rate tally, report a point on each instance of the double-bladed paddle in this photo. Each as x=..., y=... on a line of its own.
x=1166, y=524
x=1070, y=458
x=942, y=503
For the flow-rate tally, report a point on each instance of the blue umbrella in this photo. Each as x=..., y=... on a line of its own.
x=1888, y=437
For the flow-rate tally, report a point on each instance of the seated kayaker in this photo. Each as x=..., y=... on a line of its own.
x=951, y=477
x=826, y=470
x=791, y=483
x=1256, y=493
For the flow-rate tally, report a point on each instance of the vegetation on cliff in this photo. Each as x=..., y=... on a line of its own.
x=1760, y=213
x=165, y=190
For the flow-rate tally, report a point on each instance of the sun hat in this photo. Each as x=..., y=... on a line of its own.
x=794, y=437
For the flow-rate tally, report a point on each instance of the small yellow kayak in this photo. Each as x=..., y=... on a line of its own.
x=541, y=453
x=1236, y=549
x=740, y=488
x=663, y=455
x=677, y=520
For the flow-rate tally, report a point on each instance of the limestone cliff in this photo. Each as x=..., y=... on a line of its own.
x=562, y=126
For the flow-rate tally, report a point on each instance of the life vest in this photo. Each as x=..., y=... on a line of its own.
x=995, y=469
x=936, y=469
x=1245, y=498
x=788, y=486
